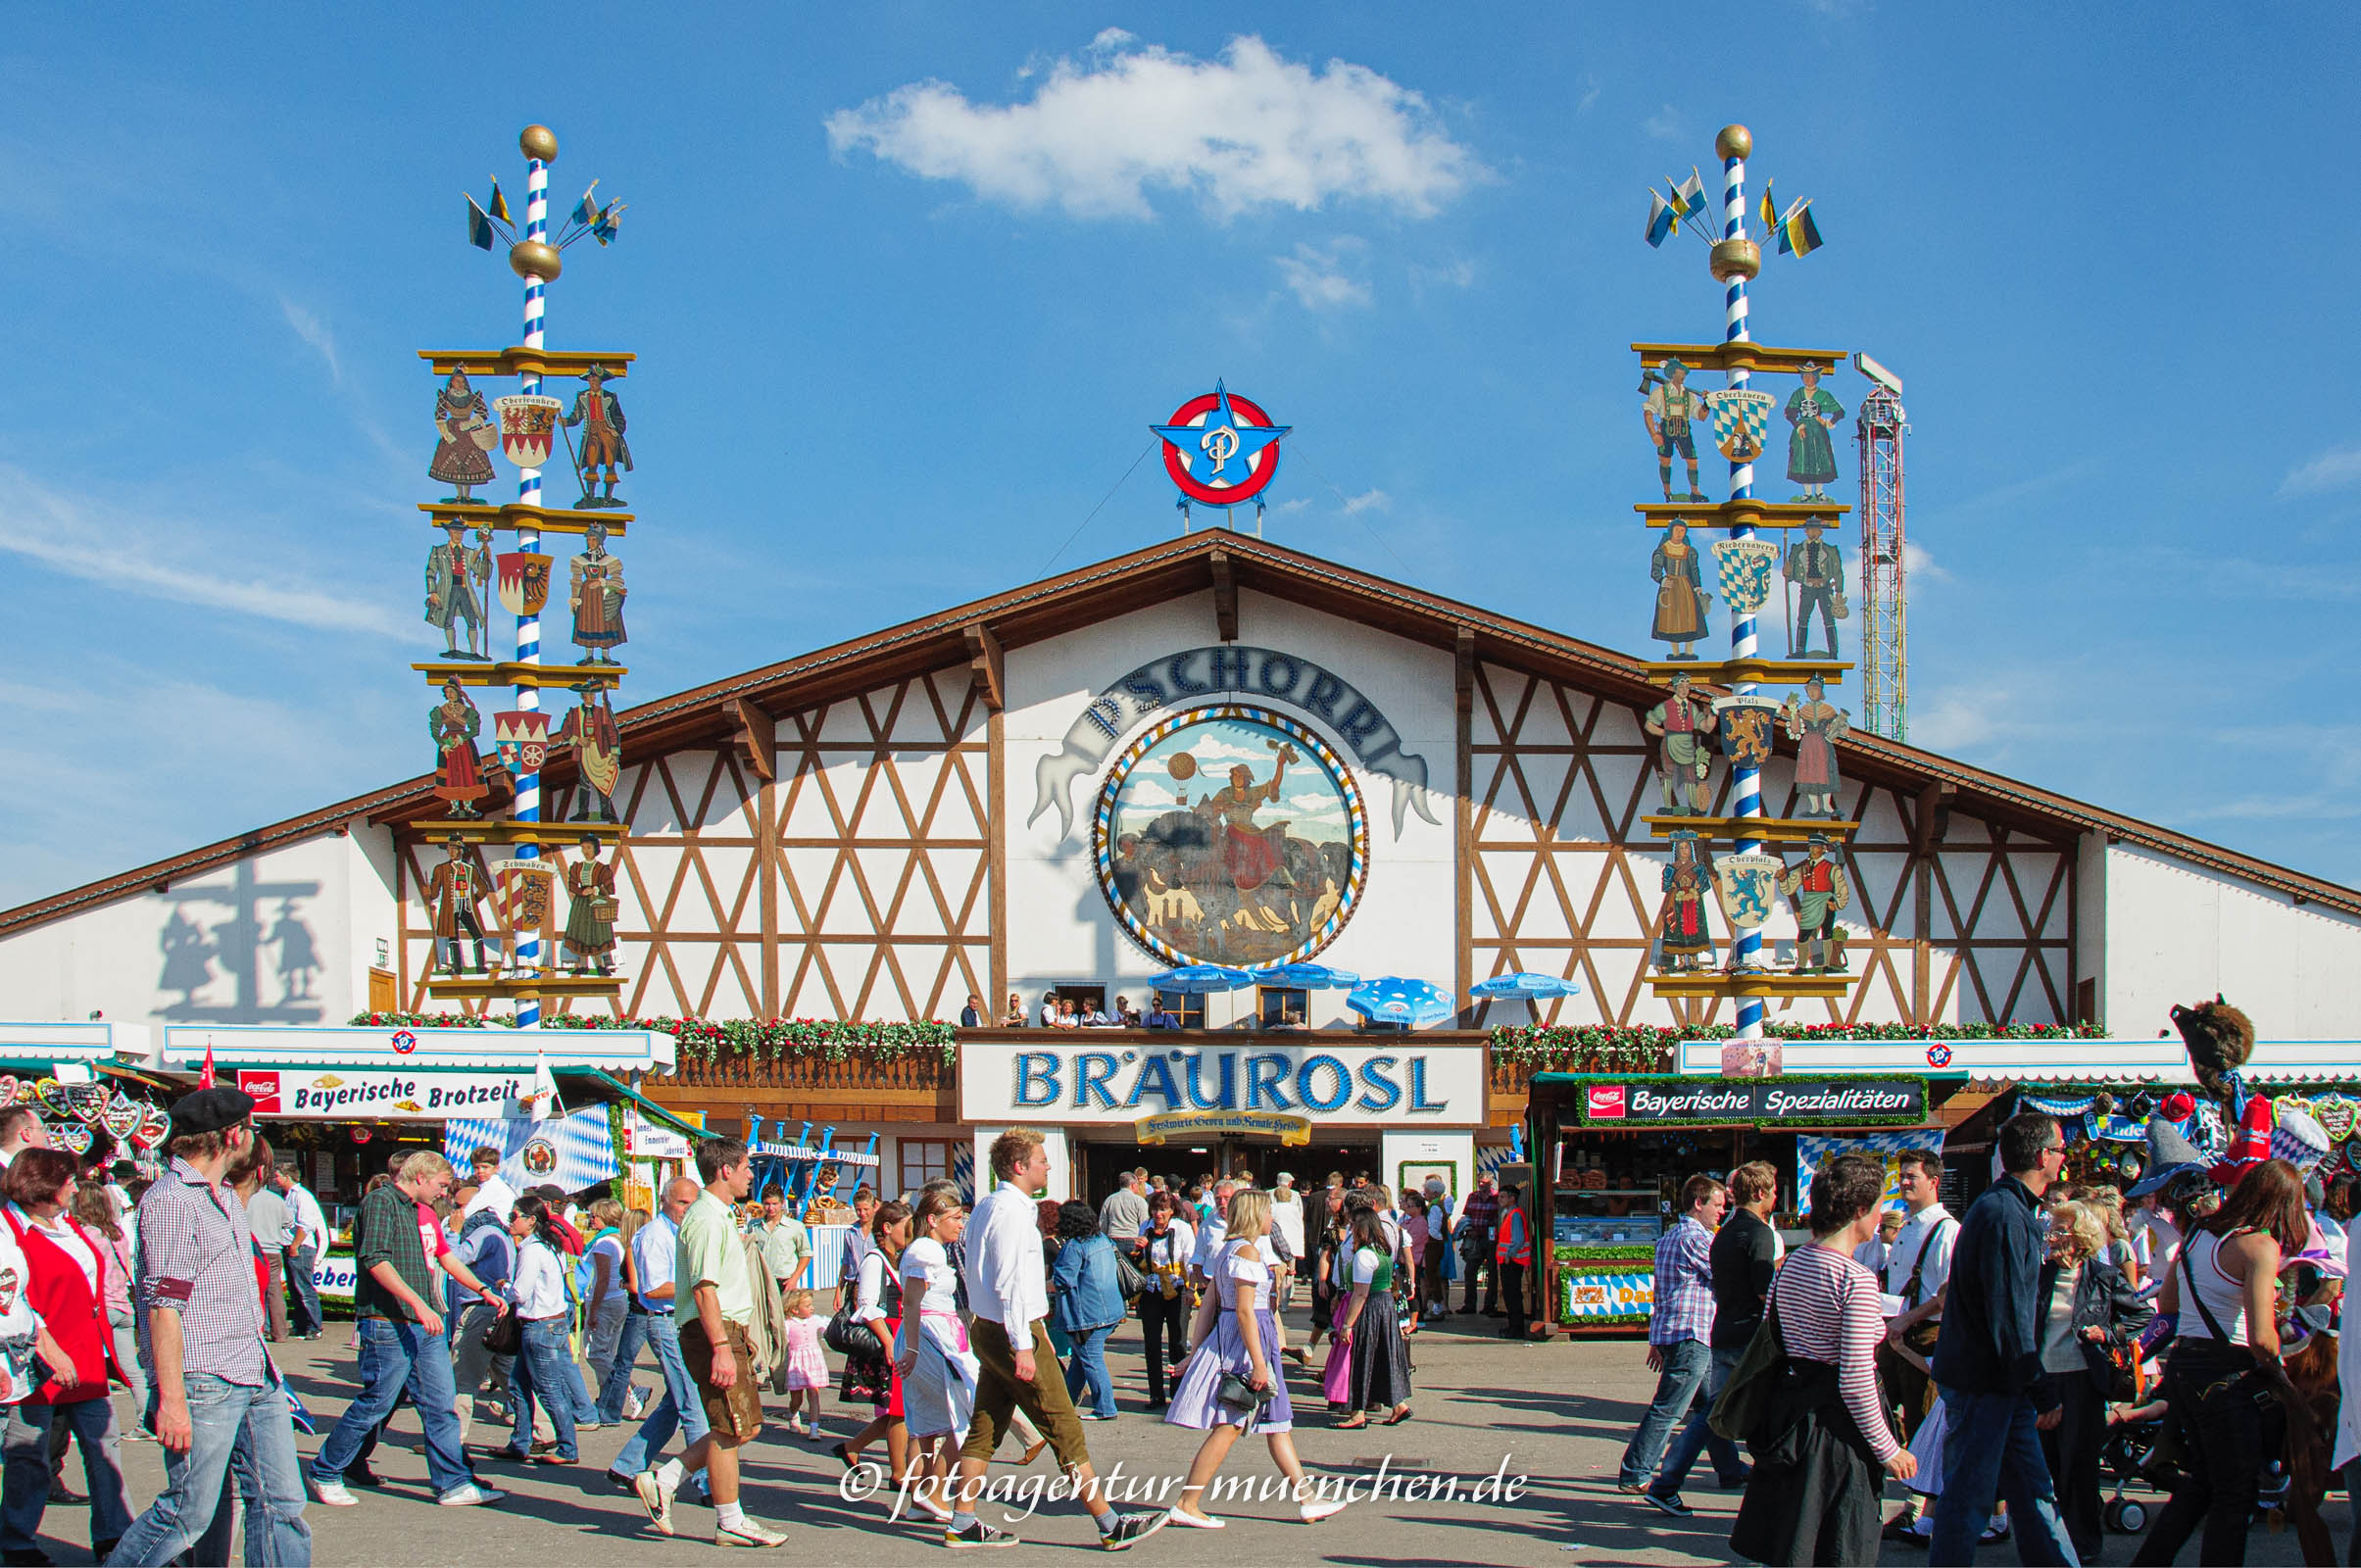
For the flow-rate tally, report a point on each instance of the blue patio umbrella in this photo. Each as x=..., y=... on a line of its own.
x=1523, y=987
x=1391, y=999
x=1200, y=979
x=1306, y=977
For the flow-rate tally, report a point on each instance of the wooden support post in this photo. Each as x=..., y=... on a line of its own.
x=988, y=668
x=1225, y=596
x=996, y=803
x=1934, y=821
x=1463, y=831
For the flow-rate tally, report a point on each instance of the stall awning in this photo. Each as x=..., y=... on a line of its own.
x=650, y=1108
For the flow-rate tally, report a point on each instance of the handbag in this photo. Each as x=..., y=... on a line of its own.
x=849, y=1337
x=1235, y=1393
x=1129, y=1281
x=505, y=1334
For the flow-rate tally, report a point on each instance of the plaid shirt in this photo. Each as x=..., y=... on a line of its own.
x=196, y=1258
x=1479, y=1215
x=1683, y=1285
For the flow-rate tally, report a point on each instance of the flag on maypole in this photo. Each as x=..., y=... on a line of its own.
x=205, y=1075
x=1660, y=218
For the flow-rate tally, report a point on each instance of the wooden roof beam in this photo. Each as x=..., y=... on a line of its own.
x=1225, y=596
x=1464, y=670
x=989, y=668
x=756, y=735
x=1935, y=802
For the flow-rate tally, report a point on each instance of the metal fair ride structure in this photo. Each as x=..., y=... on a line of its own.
x=1884, y=562
x=1739, y=418
x=523, y=886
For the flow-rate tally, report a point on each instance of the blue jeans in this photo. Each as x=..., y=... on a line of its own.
x=614, y=1378
x=1685, y=1363
x=24, y=1494
x=681, y=1409
x=1990, y=1447
x=307, y=1288
x=231, y=1427
x=1088, y=1364
x=1728, y=1464
x=542, y=1364
x=396, y=1357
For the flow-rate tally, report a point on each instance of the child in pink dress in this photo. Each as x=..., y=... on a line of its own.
x=806, y=1364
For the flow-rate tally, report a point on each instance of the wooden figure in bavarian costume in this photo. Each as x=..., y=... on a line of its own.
x=601, y=419
x=1683, y=724
x=1817, y=889
x=1815, y=726
x=1685, y=943
x=590, y=909
x=1817, y=570
x=458, y=779
x=453, y=891
x=595, y=593
x=598, y=753
x=1811, y=458
x=456, y=579
x=1668, y=412
x=464, y=438
x=1680, y=600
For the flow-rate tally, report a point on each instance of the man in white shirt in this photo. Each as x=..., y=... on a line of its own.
x=1918, y=1268
x=653, y=1254
x=1210, y=1234
x=1008, y=1289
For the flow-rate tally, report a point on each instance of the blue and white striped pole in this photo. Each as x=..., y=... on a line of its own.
x=1734, y=143
x=539, y=147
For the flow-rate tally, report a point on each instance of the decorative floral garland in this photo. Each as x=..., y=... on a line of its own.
x=1647, y=1047
x=712, y=1039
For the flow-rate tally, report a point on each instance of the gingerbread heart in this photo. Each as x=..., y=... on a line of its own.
x=73, y=1137
x=89, y=1102
x=2336, y=1116
x=154, y=1124
x=50, y=1095
x=120, y=1117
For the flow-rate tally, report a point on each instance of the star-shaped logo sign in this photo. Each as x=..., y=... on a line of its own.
x=1220, y=450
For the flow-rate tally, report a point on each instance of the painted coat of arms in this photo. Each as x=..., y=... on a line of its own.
x=1745, y=885
x=1746, y=566
x=523, y=582
x=521, y=737
x=524, y=889
x=1746, y=724
x=1741, y=423
x=528, y=427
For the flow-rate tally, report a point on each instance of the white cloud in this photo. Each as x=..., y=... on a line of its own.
x=1322, y=278
x=1460, y=272
x=1664, y=125
x=313, y=331
x=2330, y=471
x=1245, y=131
x=1919, y=566
x=1370, y=500
x=133, y=554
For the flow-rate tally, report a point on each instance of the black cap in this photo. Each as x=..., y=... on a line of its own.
x=211, y=1110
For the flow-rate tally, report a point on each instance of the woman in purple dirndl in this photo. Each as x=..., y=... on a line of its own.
x=1230, y=1346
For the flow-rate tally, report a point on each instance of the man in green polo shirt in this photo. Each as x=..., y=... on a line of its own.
x=713, y=1301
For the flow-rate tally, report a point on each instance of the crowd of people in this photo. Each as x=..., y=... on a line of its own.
x=1988, y=1361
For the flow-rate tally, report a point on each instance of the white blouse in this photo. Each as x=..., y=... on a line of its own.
x=868, y=1296
x=1241, y=1279
x=1365, y=1263
x=538, y=1287
x=1173, y=1248
x=928, y=1279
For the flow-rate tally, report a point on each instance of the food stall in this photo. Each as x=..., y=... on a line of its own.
x=1611, y=1152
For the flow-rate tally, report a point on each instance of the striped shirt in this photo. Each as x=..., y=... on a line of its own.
x=1827, y=1313
x=1684, y=1308
x=196, y=1258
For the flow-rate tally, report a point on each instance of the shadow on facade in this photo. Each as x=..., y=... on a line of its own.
x=228, y=933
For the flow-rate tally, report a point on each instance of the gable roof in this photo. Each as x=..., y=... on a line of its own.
x=1223, y=563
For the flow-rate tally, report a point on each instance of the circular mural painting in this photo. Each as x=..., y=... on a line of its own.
x=1231, y=835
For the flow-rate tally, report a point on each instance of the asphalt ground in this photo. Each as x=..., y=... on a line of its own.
x=1544, y=1423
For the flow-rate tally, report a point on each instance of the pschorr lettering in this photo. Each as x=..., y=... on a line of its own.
x=1830, y=1100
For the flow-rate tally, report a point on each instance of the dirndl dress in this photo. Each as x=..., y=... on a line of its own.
x=871, y=1379
x=938, y=1397
x=1380, y=1376
x=1239, y=1276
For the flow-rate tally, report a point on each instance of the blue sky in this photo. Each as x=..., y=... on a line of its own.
x=898, y=340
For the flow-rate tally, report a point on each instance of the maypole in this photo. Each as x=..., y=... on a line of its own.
x=1745, y=726
x=524, y=888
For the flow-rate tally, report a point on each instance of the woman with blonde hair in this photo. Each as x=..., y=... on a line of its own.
x=2088, y=1310
x=1227, y=1386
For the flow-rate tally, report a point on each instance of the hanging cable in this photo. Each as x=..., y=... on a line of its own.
x=1101, y=507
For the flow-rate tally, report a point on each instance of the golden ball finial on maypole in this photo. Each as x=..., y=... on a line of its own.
x=541, y=142
x=1730, y=141
x=531, y=259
